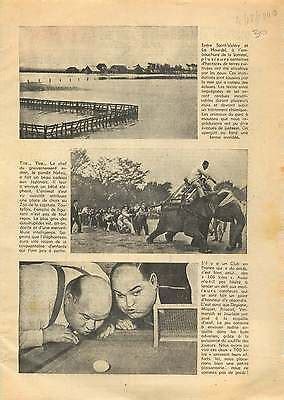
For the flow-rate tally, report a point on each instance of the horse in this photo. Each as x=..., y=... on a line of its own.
x=193, y=220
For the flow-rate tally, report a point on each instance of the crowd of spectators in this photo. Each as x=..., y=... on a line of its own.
x=127, y=219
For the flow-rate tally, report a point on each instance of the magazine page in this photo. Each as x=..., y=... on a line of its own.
x=140, y=201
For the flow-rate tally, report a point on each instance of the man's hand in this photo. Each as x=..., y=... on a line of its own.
x=125, y=324
x=59, y=334
x=105, y=330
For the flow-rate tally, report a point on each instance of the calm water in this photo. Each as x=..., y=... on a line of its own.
x=167, y=107
x=40, y=117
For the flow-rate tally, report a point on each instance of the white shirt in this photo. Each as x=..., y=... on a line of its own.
x=199, y=172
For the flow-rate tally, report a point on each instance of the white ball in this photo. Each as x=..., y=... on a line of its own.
x=101, y=366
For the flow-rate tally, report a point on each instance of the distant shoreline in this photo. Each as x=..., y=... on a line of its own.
x=118, y=76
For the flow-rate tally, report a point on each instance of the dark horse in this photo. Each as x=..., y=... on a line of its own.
x=194, y=220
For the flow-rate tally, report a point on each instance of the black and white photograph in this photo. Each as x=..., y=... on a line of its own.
x=124, y=82
x=158, y=201
x=113, y=318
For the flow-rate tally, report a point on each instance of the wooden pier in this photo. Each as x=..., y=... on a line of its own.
x=98, y=116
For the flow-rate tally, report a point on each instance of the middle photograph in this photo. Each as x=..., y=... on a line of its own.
x=158, y=201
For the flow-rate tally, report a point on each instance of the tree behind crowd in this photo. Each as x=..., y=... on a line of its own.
x=114, y=182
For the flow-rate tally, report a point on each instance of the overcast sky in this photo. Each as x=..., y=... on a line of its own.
x=59, y=47
x=173, y=166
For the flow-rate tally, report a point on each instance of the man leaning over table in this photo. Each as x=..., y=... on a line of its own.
x=137, y=287
x=60, y=302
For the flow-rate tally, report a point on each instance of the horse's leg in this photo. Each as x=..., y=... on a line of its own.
x=170, y=236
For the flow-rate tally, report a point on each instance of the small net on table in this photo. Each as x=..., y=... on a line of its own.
x=180, y=323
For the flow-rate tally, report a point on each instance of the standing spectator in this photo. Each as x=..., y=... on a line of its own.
x=75, y=216
x=144, y=215
x=93, y=219
x=140, y=220
x=124, y=221
x=108, y=219
x=219, y=228
x=85, y=216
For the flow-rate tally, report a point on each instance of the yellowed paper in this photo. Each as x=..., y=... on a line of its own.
x=255, y=23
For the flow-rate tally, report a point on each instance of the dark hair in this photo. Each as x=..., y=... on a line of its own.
x=74, y=287
x=205, y=162
x=146, y=273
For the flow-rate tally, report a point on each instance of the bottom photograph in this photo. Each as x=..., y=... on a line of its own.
x=108, y=318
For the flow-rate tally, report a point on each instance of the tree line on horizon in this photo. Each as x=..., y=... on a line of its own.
x=102, y=68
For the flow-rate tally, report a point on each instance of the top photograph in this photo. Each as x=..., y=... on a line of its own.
x=108, y=82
